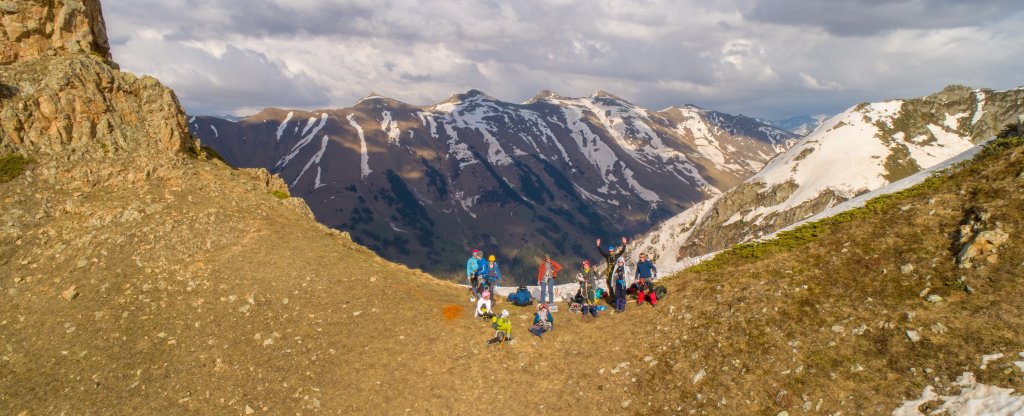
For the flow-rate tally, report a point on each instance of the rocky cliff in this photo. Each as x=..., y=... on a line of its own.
x=31, y=29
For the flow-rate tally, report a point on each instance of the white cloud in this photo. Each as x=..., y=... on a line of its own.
x=769, y=58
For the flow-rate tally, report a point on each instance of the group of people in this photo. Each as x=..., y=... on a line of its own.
x=483, y=277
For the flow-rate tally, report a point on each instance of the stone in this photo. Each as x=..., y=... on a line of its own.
x=249, y=410
x=906, y=268
x=913, y=335
x=70, y=293
x=983, y=244
x=939, y=328
x=934, y=298
x=838, y=329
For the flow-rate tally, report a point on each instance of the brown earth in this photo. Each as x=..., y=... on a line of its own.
x=200, y=291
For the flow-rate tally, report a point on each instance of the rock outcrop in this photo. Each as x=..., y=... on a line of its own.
x=979, y=241
x=32, y=29
x=78, y=103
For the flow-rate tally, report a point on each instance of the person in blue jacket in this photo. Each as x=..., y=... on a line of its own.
x=543, y=321
x=491, y=273
x=645, y=273
x=473, y=269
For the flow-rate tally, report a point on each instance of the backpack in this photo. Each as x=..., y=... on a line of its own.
x=660, y=291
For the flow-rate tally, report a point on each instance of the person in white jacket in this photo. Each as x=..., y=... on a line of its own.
x=483, y=306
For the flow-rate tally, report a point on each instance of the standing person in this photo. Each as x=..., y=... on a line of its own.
x=473, y=273
x=546, y=274
x=588, y=284
x=610, y=256
x=645, y=273
x=619, y=275
x=491, y=273
x=542, y=321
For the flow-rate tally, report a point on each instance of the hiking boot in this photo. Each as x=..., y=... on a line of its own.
x=640, y=298
x=654, y=299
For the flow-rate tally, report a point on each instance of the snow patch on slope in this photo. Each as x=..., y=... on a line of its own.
x=284, y=124
x=315, y=159
x=974, y=399
x=364, y=158
x=979, y=109
x=390, y=127
x=305, y=139
x=843, y=155
x=897, y=186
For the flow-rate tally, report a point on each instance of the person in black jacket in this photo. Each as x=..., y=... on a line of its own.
x=610, y=256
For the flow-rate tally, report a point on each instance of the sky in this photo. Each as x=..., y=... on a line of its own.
x=763, y=58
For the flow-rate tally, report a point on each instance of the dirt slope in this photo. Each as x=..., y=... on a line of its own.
x=198, y=290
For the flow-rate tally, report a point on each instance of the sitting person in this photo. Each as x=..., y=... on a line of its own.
x=503, y=328
x=483, y=306
x=521, y=297
x=543, y=321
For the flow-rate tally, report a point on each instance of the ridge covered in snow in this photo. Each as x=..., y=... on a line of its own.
x=863, y=149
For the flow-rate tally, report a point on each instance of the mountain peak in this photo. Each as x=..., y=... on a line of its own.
x=473, y=93
x=543, y=95
x=604, y=94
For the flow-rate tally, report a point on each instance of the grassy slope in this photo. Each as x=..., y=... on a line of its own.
x=184, y=276
x=772, y=325
x=163, y=323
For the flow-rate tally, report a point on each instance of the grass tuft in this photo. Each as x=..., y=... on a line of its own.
x=11, y=166
x=280, y=194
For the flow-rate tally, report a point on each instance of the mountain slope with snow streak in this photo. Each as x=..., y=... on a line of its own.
x=860, y=150
x=423, y=184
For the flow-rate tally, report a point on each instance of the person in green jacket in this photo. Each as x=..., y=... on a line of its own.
x=503, y=325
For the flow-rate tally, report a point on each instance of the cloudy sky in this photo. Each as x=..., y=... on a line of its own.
x=764, y=58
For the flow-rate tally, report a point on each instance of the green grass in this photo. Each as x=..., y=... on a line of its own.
x=11, y=166
x=280, y=194
x=804, y=234
x=205, y=152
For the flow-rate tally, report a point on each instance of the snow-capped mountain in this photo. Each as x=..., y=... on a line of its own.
x=802, y=125
x=862, y=149
x=422, y=185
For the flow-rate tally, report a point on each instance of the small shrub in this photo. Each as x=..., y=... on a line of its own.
x=11, y=166
x=280, y=194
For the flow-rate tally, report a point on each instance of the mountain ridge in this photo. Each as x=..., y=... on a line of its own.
x=862, y=149
x=585, y=167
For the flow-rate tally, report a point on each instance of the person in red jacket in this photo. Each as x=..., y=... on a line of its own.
x=546, y=274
